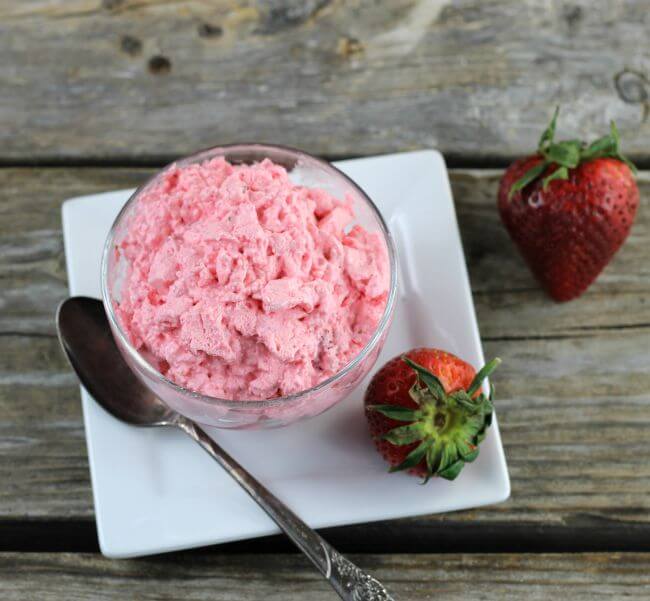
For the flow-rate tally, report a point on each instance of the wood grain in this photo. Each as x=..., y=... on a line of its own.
x=194, y=577
x=573, y=400
x=125, y=80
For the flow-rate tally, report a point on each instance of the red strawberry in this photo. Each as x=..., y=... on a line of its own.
x=426, y=414
x=569, y=208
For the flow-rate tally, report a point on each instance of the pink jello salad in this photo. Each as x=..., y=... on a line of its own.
x=246, y=286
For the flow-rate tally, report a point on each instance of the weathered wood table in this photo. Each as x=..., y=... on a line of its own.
x=96, y=94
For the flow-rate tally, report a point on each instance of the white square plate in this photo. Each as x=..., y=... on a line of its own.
x=156, y=491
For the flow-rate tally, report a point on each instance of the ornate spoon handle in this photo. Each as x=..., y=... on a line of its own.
x=350, y=582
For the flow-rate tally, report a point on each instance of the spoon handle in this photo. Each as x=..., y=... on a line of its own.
x=350, y=582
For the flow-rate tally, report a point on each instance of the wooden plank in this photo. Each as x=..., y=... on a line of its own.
x=197, y=577
x=507, y=298
x=127, y=79
x=573, y=399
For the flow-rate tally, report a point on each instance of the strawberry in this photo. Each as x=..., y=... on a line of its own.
x=569, y=208
x=426, y=413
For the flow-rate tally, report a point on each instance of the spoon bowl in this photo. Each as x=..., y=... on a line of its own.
x=87, y=341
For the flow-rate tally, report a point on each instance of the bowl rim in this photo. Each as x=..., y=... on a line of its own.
x=245, y=404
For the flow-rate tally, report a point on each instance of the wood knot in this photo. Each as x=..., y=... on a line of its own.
x=573, y=16
x=207, y=30
x=348, y=47
x=632, y=86
x=159, y=65
x=130, y=45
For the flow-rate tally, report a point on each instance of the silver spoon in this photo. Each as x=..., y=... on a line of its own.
x=88, y=343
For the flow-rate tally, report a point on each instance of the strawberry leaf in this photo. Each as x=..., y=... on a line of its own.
x=605, y=146
x=619, y=154
x=566, y=154
x=464, y=447
x=449, y=455
x=433, y=457
x=485, y=372
x=480, y=436
x=430, y=381
x=549, y=133
x=405, y=434
x=451, y=472
x=401, y=414
x=486, y=404
x=532, y=174
x=469, y=457
x=559, y=173
x=414, y=392
x=413, y=458
x=464, y=400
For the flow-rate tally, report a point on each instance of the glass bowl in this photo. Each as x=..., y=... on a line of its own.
x=223, y=413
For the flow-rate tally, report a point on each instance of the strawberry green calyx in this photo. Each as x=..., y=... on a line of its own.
x=448, y=426
x=568, y=154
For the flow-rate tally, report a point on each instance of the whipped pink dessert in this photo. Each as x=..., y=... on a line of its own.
x=244, y=285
